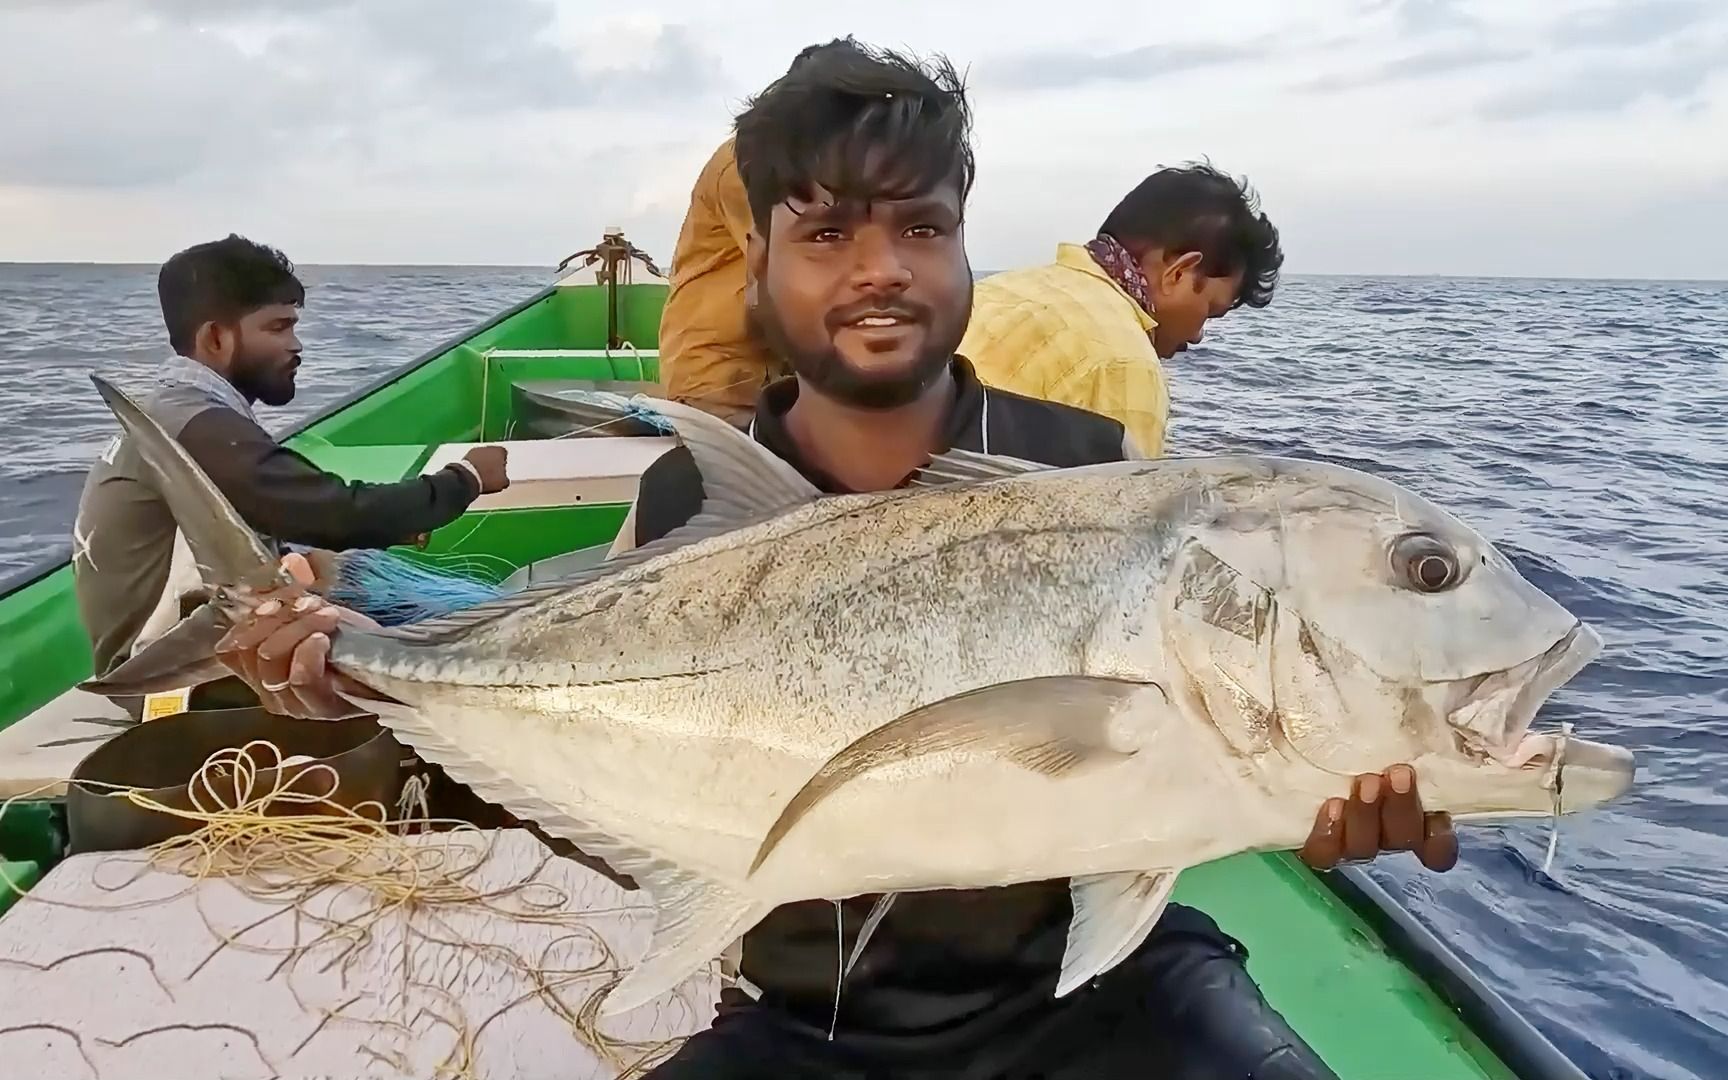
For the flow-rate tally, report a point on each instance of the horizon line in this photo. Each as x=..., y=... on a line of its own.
x=550, y=271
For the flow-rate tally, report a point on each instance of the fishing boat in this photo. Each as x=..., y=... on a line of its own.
x=1374, y=992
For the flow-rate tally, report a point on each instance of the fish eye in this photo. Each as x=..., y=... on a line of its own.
x=1428, y=564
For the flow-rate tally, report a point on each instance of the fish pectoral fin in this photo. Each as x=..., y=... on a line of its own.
x=962, y=466
x=1051, y=724
x=696, y=921
x=1113, y=914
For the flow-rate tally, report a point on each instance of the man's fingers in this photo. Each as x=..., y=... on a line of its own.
x=1362, y=818
x=299, y=567
x=276, y=652
x=306, y=662
x=275, y=611
x=1439, y=850
x=1325, y=844
x=278, y=648
x=1401, y=825
x=313, y=682
x=350, y=617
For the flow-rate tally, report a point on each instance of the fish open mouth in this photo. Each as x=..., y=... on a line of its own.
x=1496, y=714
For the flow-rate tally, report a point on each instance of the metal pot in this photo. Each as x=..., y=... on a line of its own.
x=161, y=756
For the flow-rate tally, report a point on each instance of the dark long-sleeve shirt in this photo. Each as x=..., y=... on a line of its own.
x=124, y=537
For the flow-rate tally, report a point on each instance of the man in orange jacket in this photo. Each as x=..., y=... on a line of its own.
x=710, y=356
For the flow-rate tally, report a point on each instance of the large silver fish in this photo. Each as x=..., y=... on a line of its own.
x=1006, y=673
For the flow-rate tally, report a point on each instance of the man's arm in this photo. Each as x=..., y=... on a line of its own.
x=1130, y=390
x=669, y=494
x=282, y=494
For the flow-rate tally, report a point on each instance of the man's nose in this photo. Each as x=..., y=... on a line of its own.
x=879, y=267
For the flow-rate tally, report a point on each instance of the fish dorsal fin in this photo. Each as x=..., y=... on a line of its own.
x=962, y=466
x=444, y=627
x=741, y=479
x=1113, y=914
x=1048, y=724
x=743, y=484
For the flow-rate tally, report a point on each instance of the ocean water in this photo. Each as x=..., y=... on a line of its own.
x=1583, y=426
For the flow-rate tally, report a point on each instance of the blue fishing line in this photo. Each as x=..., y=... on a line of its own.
x=625, y=407
x=396, y=589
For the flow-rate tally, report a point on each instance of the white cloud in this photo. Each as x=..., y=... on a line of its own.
x=1392, y=136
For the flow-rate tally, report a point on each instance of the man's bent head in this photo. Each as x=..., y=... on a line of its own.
x=232, y=305
x=1204, y=246
x=857, y=163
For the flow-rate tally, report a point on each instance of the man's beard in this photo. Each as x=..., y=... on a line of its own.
x=259, y=380
x=827, y=372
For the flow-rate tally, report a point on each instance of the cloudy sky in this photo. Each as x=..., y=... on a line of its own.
x=1523, y=137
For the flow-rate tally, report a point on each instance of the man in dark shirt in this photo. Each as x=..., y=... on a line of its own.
x=857, y=165
x=231, y=307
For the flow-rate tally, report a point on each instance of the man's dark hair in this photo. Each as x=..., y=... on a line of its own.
x=863, y=122
x=222, y=281
x=1198, y=208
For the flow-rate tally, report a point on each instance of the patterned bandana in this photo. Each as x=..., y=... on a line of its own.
x=1123, y=268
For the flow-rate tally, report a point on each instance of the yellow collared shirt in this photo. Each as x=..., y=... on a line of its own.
x=1066, y=332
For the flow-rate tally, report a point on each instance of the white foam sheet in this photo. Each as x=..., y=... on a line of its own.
x=109, y=999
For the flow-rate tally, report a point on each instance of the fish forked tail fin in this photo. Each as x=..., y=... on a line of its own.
x=226, y=550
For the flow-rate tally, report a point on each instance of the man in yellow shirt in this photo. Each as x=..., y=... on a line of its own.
x=1091, y=329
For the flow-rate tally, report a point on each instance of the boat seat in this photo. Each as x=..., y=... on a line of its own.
x=563, y=472
x=28, y=762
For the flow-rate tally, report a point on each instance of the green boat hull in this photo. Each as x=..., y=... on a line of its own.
x=1366, y=985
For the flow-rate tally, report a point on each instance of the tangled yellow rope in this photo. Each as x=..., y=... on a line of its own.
x=291, y=839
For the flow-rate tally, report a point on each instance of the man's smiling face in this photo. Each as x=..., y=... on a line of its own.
x=867, y=302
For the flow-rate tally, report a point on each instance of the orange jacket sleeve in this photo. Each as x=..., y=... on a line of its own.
x=708, y=358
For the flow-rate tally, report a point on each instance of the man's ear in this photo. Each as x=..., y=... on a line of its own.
x=1185, y=267
x=213, y=341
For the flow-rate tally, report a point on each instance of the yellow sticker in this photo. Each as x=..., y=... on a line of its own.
x=167, y=703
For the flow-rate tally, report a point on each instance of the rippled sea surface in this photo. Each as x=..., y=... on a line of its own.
x=1583, y=426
